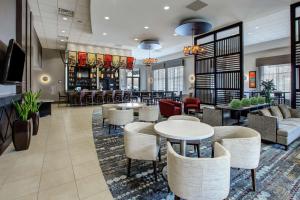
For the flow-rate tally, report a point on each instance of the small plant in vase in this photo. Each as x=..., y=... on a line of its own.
x=246, y=102
x=235, y=104
x=253, y=101
x=31, y=99
x=22, y=127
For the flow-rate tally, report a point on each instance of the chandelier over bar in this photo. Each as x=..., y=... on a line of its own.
x=149, y=45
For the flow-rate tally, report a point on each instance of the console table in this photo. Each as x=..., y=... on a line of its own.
x=7, y=118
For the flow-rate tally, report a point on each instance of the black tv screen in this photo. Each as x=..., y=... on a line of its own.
x=12, y=70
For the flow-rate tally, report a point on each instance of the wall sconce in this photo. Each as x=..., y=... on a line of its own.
x=191, y=78
x=45, y=79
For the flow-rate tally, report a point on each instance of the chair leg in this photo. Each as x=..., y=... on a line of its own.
x=212, y=151
x=286, y=147
x=103, y=122
x=177, y=198
x=159, y=155
x=253, y=175
x=198, y=150
x=128, y=167
x=155, y=170
x=109, y=126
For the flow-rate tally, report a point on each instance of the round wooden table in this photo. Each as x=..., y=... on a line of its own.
x=184, y=130
x=125, y=106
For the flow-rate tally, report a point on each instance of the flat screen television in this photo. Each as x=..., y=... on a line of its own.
x=13, y=66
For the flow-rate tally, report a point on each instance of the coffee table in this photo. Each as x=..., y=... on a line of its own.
x=125, y=106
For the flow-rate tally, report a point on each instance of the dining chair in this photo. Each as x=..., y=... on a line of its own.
x=141, y=143
x=149, y=114
x=244, y=145
x=119, y=118
x=105, y=109
x=199, y=178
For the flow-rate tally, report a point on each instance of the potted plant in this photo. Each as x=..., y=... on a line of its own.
x=31, y=99
x=22, y=127
x=268, y=87
x=246, y=102
x=235, y=104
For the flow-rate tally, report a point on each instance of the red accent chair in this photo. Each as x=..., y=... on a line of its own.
x=169, y=107
x=191, y=103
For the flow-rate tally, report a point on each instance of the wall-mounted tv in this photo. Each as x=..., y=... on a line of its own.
x=13, y=67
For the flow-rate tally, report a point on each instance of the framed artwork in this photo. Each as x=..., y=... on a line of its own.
x=252, y=79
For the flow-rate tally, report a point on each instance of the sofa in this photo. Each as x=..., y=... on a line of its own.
x=191, y=103
x=278, y=124
x=169, y=107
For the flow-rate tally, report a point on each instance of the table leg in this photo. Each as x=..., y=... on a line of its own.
x=183, y=147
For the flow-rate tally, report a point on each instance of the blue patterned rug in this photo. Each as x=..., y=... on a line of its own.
x=278, y=175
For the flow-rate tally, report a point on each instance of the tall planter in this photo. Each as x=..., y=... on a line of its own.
x=22, y=131
x=35, y=122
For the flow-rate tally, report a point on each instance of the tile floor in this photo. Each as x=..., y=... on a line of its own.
x=61, y=163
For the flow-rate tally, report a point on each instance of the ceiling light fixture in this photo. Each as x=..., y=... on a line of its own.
x=136, y=39
x=63, y=31
x=193, y=49
x=257, y=27
x=167, y=8
x=150, y=61
x=65, y=18
x=104, y=34
x=106, y=18
x=174, y=34
x=62, y=40
x=146, y=27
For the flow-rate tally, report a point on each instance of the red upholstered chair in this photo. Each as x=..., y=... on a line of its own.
x=191, y=103
x=169, y=107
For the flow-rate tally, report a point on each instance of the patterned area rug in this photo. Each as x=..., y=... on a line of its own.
x=278, y=175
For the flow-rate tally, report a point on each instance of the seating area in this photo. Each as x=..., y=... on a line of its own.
x=149, y=100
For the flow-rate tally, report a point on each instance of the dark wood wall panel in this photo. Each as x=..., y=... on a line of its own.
x=219, y=70
x=295, y=56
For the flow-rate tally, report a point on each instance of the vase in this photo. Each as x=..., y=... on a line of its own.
x=22, y=134
x=35, y=122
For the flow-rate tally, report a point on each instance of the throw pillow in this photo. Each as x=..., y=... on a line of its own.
x=265, y=112
x=285, y=111
x=276, y=112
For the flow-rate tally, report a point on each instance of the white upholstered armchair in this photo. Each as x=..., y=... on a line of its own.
x=105, y=109
x=195, y=143
x=119, y=117
x=199, y=178
x=141, y=143
x=244, y=145
x=149, y=113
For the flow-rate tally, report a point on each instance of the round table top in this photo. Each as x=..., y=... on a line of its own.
x=184, y=130
x=130, y=105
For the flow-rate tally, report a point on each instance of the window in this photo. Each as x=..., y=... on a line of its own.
x=281, y=74
x=175, y=79
x=159, y=79
x=133, y=79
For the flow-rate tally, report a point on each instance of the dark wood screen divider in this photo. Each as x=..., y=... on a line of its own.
x=219, y=70
x=295, y=56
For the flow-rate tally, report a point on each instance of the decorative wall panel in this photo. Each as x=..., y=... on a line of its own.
x=219, y=70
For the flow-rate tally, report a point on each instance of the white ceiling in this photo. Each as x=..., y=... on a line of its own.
x=264, y=20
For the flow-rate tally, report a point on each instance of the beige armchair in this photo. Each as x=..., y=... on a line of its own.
x=244, y=145
x=141, y=143
x=195, y=143
x=105, y=109
x=149, y=113
x=119, y=117
x=199, y=178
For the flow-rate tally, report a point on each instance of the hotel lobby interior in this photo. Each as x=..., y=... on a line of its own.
x=150, y=100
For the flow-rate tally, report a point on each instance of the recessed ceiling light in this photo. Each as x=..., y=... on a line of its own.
x=146, y=27
x=104, y=33
x=65, y=18
x=167, y=8
x=63, y=31
x=175, y=34
x=62, y=40
x=136, y=39
x=257, y=27
x=107, y=18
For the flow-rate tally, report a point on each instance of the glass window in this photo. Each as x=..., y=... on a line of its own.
x=281, y=74
x=133, y=79
x=159, y=79
x=175, y=79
